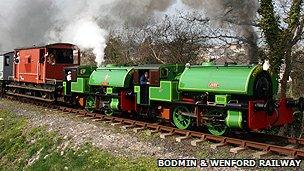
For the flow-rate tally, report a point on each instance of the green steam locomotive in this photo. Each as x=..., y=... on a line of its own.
x=219, y=97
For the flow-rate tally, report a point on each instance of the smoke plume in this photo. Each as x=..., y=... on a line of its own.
x=81, y=22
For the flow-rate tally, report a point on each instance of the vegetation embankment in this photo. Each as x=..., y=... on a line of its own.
x=25, y=148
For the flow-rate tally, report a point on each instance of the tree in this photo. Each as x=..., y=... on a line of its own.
x=175, y=40
x=87, y=57
x=281, y=35
x=297, y=74
x=172, y=40
x=116, y=52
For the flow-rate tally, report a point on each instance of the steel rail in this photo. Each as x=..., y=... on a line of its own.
x=188, y=134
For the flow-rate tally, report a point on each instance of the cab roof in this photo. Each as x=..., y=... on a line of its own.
x=46, y=46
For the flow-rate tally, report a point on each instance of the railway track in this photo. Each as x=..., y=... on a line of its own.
x=289, y=147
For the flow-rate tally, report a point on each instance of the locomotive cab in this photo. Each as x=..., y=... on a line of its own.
x=162, y=83
x=144, y=77
x=76, y=83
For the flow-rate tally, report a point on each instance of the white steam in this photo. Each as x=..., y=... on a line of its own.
x=87, y=34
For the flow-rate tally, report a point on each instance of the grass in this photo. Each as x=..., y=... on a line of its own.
x=24, y=148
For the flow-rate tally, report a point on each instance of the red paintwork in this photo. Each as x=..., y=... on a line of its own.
x=30, y=70
x=127, y=103
x=258, y=120
x=56, y=71
x=188, y=100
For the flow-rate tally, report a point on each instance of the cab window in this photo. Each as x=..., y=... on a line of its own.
x=154, y=77
x=62, y=56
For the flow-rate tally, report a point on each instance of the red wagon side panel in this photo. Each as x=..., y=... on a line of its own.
x=32, y=66
x=28, y=68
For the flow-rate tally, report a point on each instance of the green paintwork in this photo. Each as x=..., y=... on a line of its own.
x=169, y=72
x=64, y=87
x=80, y=86
x=137, y=92
x=219, y=79
x=218, y=131
x=109, y=112
x=85, y=71
x=222, y=99
x=109, y=90
x=111, y=77
x=90, y=103
x=234, y=119
x=179, y=120
x=166, y=92
x=114, y=104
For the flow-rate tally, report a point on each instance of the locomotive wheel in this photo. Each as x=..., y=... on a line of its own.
x=179, y=120
x=109, y=112
x=218, y=130
x=90, y=104
x=215, y=127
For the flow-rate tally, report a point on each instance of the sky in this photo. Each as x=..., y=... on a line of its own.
x=87, y=23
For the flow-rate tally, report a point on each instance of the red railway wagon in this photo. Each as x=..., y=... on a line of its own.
x=38, y=70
